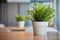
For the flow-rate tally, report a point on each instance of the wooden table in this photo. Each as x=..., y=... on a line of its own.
x=14, y=28
x=28, y=36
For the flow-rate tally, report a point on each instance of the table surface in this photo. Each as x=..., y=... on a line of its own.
x=28, y=36
x=13, y=28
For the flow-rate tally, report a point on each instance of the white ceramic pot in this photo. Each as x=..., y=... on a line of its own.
x=21, y=24
x=40, y=28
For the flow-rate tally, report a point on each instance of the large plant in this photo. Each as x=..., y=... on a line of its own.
x=19, y=18
x=40, y=12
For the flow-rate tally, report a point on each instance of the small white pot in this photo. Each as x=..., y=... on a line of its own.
x=40, y=28
x=21, y=24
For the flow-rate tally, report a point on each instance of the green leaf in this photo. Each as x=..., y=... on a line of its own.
x=40, y=12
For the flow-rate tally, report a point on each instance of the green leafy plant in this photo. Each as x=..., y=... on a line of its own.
x=19, y=18
x=40, y=12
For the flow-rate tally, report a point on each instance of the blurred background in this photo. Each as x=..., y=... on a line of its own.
x=9, y=9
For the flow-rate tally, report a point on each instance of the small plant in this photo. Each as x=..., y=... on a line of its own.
x=20, y=18
x=40, y=12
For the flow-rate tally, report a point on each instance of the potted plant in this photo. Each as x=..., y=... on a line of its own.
x=21, y=21
x=40, y=15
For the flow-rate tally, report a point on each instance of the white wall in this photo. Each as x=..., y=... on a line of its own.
x=12, y=11
x=18, y=1
x=23, y=8
x=4, y=14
